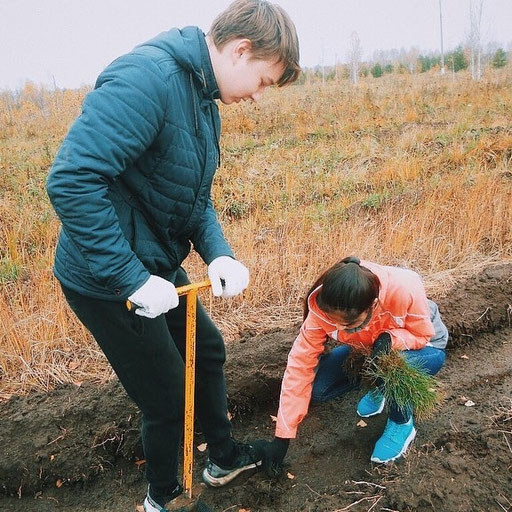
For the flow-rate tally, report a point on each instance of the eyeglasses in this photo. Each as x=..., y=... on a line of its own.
x=357, y=324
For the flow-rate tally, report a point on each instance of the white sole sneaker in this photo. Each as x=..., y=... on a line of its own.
x=408, y=441
x=151, y=506
x=378, y=411
x=223, y=480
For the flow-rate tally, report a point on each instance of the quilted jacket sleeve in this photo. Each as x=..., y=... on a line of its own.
x=208, y=239
x=120, y=119
x=298, y=377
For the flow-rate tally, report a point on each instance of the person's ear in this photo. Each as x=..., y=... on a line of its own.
x=241, y=48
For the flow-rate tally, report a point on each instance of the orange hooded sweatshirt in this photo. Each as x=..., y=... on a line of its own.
x=402, y=311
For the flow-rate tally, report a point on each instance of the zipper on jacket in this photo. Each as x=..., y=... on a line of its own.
x=193, y=91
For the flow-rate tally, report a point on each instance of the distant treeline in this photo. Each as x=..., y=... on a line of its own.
x=411, y=61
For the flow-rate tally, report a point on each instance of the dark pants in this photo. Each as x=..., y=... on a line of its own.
x=331, y=382
x=147, y=356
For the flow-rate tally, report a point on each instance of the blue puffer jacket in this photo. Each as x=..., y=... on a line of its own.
x=131, y=181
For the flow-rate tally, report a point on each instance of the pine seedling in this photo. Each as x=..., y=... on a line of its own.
x=406, y=385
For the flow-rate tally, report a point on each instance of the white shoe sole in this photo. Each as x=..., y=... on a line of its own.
x=408, y=441
x=148, y=507
x=223, y=480
x=378, y=411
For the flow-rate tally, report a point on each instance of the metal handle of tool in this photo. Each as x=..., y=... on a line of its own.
x=190, y=290
x=181, y=290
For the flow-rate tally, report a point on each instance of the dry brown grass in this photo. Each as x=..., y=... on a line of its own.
x=404, y=170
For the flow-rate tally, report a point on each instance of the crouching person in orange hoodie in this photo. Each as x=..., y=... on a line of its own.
x=365, y=306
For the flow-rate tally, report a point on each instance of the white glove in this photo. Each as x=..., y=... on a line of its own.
x=154, y=297
x=234, y=275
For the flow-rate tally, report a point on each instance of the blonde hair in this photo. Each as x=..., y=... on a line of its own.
x=268, y=27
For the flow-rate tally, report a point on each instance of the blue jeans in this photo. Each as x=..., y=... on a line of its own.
x=331, y=381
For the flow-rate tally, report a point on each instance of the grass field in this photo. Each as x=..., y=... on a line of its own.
x=406, y=170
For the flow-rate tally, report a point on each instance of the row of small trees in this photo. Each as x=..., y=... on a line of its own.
x=457, y=60
x=454, y=61
x=410, y=62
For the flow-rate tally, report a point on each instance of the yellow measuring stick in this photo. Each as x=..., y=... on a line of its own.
x=190, y=290
x=190, y=369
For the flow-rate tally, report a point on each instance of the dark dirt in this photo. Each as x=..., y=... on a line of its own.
x=78, y=448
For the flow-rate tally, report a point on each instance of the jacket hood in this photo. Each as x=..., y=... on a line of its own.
x=188, y=47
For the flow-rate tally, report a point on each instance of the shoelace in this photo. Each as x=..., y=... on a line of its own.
x=392, y=429
x=376, y=396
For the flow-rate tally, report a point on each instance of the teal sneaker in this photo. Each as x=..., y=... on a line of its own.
x=371, y=404
x=394, y=441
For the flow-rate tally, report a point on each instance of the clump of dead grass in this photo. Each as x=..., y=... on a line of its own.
x=408, y=170
x=502, y=420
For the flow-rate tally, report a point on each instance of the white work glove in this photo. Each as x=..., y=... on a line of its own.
x=154, y=297
x=234, y=276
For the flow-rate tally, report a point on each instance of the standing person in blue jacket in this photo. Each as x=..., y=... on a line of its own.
x=131, y=185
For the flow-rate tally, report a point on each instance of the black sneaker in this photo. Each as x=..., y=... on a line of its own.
x=246, y=457
x=150, y=505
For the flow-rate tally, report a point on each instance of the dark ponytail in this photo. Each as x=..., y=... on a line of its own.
x=347, y=287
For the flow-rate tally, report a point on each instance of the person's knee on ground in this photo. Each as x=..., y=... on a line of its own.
x=331, y=380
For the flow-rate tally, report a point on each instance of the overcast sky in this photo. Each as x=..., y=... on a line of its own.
x=71, y=41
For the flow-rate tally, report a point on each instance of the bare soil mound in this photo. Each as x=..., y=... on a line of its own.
x=79, y=447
